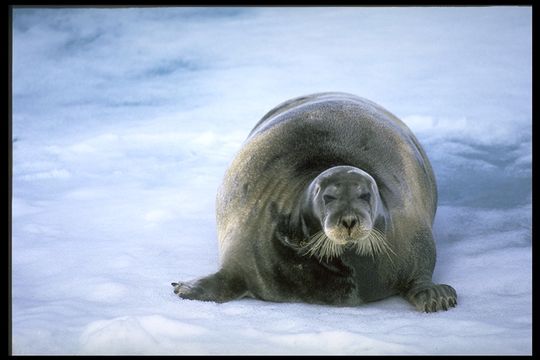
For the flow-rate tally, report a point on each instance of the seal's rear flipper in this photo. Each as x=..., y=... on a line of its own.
x=218, y=287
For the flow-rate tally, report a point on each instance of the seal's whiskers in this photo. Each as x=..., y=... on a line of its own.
x=320, y=245
x=374, y=244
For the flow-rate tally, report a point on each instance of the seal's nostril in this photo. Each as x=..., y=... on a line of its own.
x=349, y=222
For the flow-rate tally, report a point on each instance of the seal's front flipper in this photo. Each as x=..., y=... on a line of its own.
x=430, y=297
x=218, y=287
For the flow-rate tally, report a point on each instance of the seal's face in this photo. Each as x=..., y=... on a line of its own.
x=345, y=201
x=347, y=208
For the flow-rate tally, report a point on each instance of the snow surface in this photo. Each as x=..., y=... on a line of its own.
x=124, y=121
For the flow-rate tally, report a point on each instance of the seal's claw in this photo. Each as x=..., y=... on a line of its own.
x=178, y=288
x=444, y=304
x=189, y=290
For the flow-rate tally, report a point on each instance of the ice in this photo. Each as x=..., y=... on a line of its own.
x=125, y=120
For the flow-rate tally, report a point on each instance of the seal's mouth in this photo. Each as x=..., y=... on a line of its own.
x=342, y=238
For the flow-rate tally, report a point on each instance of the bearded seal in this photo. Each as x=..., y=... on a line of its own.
x=330, y=200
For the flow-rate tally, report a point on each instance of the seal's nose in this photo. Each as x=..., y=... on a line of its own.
x=349, y=222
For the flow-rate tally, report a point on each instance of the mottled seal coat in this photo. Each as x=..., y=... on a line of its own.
x=330, y=200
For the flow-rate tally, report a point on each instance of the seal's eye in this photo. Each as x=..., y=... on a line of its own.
x=365, y=196
x=328, y=199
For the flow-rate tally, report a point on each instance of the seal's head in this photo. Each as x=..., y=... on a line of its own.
x=345, y=201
